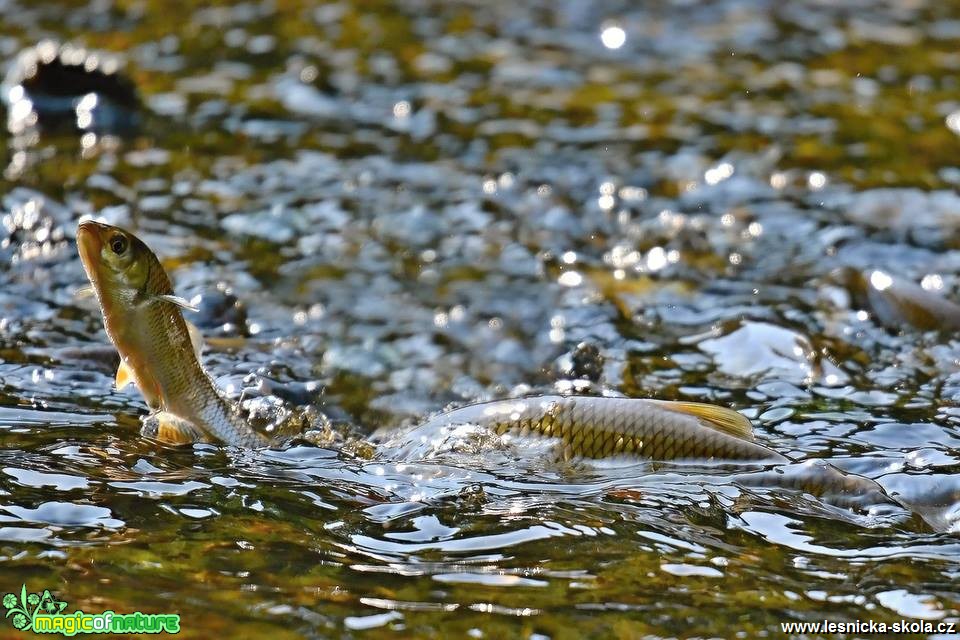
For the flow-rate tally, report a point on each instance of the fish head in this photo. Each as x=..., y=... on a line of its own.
x=118, y=264
x=126, y=276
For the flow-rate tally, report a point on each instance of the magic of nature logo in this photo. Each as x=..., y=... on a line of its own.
x=44, y=613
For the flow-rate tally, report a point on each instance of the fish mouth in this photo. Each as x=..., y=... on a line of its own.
x=89, y=245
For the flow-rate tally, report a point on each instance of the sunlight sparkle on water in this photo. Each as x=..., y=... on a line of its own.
x=401, y=109
x=953, y=122
x=613, y=37
x=633, y=193
x=880, y=281
x=656, y=259
x=718, y=173
x=932, y=282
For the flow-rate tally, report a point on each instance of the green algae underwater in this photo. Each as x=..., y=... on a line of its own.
x=384, y=209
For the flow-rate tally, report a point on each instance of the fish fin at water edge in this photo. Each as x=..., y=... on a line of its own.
x=720, y=418
x=171, y=429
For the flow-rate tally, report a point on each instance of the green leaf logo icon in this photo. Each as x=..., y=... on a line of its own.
x=27, y=606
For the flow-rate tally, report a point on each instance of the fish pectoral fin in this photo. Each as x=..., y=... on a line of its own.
x=124, y=376
x=171, y=429
x=177, y=300
x=720, y=418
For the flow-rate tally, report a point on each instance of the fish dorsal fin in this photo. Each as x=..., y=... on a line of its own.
x=720, y=418
x=196, y=338
x=124, y=375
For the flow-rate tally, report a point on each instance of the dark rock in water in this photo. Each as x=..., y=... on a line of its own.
x=587, y=362
x=53, y=85
x=584, y=362
x=221, y=313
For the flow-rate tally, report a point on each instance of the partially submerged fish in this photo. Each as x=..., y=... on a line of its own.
x=896, y=302
x=158, y=351
x=589, y=427
x=684, y=432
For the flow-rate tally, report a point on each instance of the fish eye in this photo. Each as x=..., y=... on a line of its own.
x=118, y=244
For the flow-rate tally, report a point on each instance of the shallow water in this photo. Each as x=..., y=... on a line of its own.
x=421, y=204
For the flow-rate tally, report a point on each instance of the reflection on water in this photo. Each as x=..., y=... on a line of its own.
x=384, y=210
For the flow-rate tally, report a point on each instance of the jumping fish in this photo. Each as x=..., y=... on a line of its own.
x=158, y=349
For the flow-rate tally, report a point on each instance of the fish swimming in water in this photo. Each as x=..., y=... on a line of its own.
x=158, y=349
x=143, y=319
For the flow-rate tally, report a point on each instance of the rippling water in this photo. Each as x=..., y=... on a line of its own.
x=387, y=208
